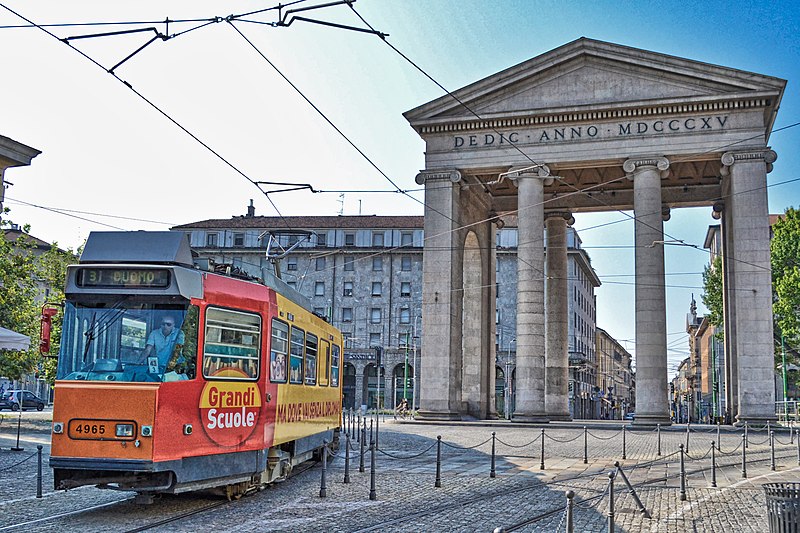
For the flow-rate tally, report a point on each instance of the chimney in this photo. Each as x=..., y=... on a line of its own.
x=251, y=210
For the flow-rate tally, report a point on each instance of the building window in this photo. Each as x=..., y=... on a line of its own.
x=377, y=288
x=375, y=315
x=347, y=337
x=292, y=284
x=347, y=288
x=212, y=239
x=319, y=288
x=406, y=239
x=291, y=263
x=374, y=339
x=377, y=263
x=322, y=239
x=377, y=239
x=349, y=264
x=404, y=340
x=405, y=288
x=347, y=314
x=320, y=263
x=405, y=263
x=238, y=239
x=405, y=315
x=349, y=239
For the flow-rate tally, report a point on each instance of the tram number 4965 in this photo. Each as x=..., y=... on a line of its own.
x=90, y=429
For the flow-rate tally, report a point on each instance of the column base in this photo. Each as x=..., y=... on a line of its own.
x=559, y=417
x=755, y=420
x=651, y=420
x=540, y=418
x=437, y=415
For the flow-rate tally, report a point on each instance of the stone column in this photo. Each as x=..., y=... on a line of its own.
x=652, y=406
x=557, y=319
x=748, y=224
x=530, y=403
x=440, y=372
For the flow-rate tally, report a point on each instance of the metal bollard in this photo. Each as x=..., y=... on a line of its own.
x=688, y=425
x=719, y=442
x=570, y=504
x=658, y=432
x=373, y=495
x=323, y=487
x=370, y=431
x=683, y=476
x=772, y=450
x=358, y=427
x=791, y=435
x=624, y=445
x=19, y=422
x=744, y=455
x=492, y=472
x=377, y=426
x=585, y=445
x=798, y=446
x=713, y=465
x=361, y=461
x=541, y=464
x=39, y=471
x=347, y=459
x=746, y=436
x=611, y=502
x=438, y=482
x=621, y=472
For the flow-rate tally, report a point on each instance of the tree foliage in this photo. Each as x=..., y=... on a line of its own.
x=785, y=262
x=712, y=292
x=29, y=276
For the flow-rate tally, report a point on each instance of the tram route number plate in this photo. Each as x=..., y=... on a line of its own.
x=93, y=429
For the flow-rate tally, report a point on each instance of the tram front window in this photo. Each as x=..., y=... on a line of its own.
x=128, y=341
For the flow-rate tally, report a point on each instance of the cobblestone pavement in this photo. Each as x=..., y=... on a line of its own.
x=468, y=499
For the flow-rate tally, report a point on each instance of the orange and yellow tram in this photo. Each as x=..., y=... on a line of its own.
x=173, y=379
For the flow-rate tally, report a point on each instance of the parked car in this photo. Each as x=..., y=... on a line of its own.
x=20, y=399
x=630, y=416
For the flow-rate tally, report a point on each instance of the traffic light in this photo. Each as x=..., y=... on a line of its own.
x=672, y=389
x=378, y=355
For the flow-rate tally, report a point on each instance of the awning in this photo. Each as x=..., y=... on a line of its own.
x=11, y=340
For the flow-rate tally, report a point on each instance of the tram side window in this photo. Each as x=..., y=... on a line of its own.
x=296, y=355
x=335, y=366
x=311, y=359
x=231, y=349
x=324, y=362
x=279, y=351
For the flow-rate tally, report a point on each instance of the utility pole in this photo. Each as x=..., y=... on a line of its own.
x=783, y=364
x=405, y=369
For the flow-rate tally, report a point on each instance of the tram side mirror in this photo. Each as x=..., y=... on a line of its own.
x=46, y=328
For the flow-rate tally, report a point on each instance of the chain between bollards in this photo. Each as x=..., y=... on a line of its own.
x=611, y=502
x=658, y=432
x=585, y=445
x=438, y=482
x=713, y=465
x=570, y=505
x=744, y=453
x=373, y=495
x=39, y=471
x=492, y=471
x=541, y=464
x=323, y=487
x=683, y=475
x=347, y=459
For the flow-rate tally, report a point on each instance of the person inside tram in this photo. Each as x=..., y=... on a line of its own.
x=162, y=343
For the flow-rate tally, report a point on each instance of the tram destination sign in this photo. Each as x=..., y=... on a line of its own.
x=132, y=278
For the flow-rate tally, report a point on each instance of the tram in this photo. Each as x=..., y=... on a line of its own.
x=172, y=378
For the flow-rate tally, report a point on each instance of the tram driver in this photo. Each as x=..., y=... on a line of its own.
x=162, y=343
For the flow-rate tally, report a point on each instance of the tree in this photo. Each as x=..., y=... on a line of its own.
x=785, y=262
x=712, y=292
x=26, y=272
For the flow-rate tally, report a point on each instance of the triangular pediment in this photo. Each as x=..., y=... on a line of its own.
x=588, y=74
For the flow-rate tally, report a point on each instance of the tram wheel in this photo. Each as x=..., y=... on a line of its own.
x=236, y=491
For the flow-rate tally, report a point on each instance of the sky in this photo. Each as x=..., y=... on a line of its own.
x=111, y=161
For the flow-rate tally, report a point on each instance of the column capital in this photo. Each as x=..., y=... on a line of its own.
x=424, y=176
x=541, y=171
x=765, y=154
x=566, y=215
x=658, y=162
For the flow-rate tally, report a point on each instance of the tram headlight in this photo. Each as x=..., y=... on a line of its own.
x=58, y=427
x=124, y=430
x=147, y=431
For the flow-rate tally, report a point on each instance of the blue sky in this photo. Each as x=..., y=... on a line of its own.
x=106, y=152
